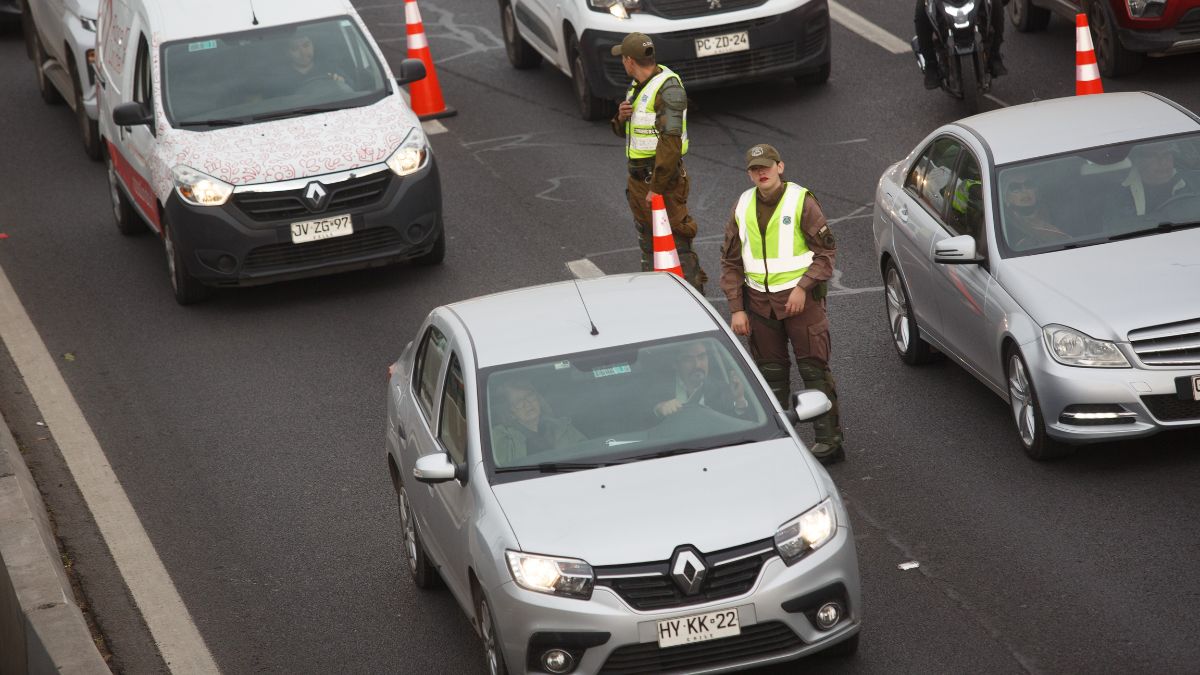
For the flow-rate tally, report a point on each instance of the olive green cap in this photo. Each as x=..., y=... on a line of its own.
x=635, y=46
x=762, y=155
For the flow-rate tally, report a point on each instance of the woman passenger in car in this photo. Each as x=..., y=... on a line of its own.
x=523, y=430
x=1027, y=222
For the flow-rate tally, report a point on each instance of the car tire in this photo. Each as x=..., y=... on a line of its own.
x=817, y=78
x=436, y=254
x=46, y=89
x=1112, y=57
x=127, y=220
x=906, y=335
x=591, y=107
x=89, y=129
x=520, y=54
x=420, y=569
x=493, y=653
x=844, y=649
x=187, y=290
x=1026, y=17
x=1027, y=412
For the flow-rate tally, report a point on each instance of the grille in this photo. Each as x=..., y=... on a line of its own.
x=754, y=641
x=1189, y=24
x=711, y=67
x=656, y=590
x=679, y=9
x=1171, y=408
x=348, y=194
x=1172, y=344
x=722, y=29
x=323, y=251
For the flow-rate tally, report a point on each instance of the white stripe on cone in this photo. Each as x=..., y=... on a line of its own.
x=1083, y=39
x=662, y=226
x=666, y=260
x=1087, y=73
x=411, y=13
x=417, y=41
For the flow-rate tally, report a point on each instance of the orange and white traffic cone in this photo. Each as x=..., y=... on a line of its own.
x=426, y=93
x=666, y=258
x=1087, y=73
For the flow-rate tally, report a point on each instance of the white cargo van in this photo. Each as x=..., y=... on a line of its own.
x=262, y=141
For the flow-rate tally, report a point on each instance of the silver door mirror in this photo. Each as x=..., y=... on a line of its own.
x=435, y=468
x=810, y=403
x=956, y=251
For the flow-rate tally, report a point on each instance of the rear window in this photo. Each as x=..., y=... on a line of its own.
x=270, y=73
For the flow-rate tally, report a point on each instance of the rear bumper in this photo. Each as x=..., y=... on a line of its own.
x=223, y=246
x=792, y=43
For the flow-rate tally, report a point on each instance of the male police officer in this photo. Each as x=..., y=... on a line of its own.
x=776, y=260
x=653, y=121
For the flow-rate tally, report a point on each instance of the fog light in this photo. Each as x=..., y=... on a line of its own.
x=557, y=661
x=226, y=263
x=828, y=615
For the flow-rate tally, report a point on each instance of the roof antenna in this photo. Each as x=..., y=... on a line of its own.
x=585, y=309
x=253, y=16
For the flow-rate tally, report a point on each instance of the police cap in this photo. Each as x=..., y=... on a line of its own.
x=635, y=46
x=762, y=155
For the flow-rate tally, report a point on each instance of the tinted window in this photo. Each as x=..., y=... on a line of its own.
x=452, y=431
x=430, y=358
x=930, y=178
x=270, y=73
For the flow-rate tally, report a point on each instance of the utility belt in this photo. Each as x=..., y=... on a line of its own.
x=644, y=172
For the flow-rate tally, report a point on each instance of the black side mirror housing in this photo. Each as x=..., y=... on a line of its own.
x=410, y=70
x=132, y=114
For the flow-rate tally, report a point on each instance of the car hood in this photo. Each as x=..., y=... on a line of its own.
x=296, y=147
x=1107, y=290
x=641, y=512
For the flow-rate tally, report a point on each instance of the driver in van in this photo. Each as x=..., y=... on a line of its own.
x=692, y=385
x=523, y=430
x=303, y=66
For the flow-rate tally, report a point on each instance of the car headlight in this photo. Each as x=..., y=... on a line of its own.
x=1146, y=9
x=545, y=574
x=411, y=155
x=807, y=533
x=1072, y=348
x=200, y=189
x=618, y=8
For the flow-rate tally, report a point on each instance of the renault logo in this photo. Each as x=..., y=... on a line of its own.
x=315, y=195
x=688, y=571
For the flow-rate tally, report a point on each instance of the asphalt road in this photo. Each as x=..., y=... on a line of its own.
x=248, y=431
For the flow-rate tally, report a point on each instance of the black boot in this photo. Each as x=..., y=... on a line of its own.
x=932, y=81
x=996, y=66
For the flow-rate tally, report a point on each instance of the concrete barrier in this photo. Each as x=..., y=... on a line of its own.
x=42, y=630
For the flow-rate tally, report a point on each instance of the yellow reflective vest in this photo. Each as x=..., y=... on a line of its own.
x=640, y=133
x=774, y=261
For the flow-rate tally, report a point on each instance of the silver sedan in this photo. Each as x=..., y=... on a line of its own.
x=1053, y=250
x=605, y=484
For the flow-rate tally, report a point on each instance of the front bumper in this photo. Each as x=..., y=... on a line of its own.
x=788, y=44
x=1150, y=394
x=1182, y=37
x=621, y=639
x=227, y=246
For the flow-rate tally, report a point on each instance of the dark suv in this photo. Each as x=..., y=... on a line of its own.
x=1124, y=31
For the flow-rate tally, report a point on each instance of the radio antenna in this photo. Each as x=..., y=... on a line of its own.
x=253, y=15
x=585, y=308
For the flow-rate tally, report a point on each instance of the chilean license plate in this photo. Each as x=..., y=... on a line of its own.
x=1196, y=387
x=722, y=44
x=699, y=627
x=321, y=228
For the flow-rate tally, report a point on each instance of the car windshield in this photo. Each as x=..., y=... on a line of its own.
x=1100, y=195
x=620, y=405
x=270, y=73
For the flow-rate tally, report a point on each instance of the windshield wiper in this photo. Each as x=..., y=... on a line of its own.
x=301, y=111
x=683, y=451
x=1161, y=227
x=553, y=467
x=212, y=123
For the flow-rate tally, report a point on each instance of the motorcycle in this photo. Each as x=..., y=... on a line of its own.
x=960, y=41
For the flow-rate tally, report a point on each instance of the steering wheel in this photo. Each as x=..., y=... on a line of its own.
x=324, y=80
x=1177, y=199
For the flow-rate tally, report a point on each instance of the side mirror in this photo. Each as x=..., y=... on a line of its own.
x=956, y=251
x=411, y=70
x=132, y=114
x=435, y=468
x=809, y=403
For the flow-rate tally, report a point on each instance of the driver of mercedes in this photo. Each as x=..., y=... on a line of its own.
x=693, y=386
x=1153, y=180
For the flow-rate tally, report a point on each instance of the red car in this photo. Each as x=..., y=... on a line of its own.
x=1124, y=31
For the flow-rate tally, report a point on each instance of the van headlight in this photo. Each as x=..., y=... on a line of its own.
x=1072, y=348
x=200, y=189
x=812, y=530
x=618, y=8
x=545, y=574
x=411, y=155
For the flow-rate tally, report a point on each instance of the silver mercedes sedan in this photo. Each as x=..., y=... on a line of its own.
x=1053, y=250
x=605, y=484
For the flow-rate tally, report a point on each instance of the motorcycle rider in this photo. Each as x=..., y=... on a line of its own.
x=995, y=36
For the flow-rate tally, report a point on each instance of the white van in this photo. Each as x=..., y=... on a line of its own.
x=262, y=141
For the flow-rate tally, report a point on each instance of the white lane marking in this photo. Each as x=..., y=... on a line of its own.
x=995, y=100
x=434, y=127
x=169, y=622
x=849, y=142
x=856, y=23
x=584, y=269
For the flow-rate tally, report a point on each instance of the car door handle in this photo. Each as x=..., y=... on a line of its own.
x=903, y=211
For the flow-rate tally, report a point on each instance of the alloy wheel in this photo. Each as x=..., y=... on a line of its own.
x=114, y=192
x=169, y=246
x=488, y=631
x=897, y=308
x=510, y=32
x=410, y=531
x=1020, y=395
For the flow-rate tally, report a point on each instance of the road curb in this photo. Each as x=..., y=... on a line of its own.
x=42, y=629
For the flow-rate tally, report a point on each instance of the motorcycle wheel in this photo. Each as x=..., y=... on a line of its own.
x=971, y=74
